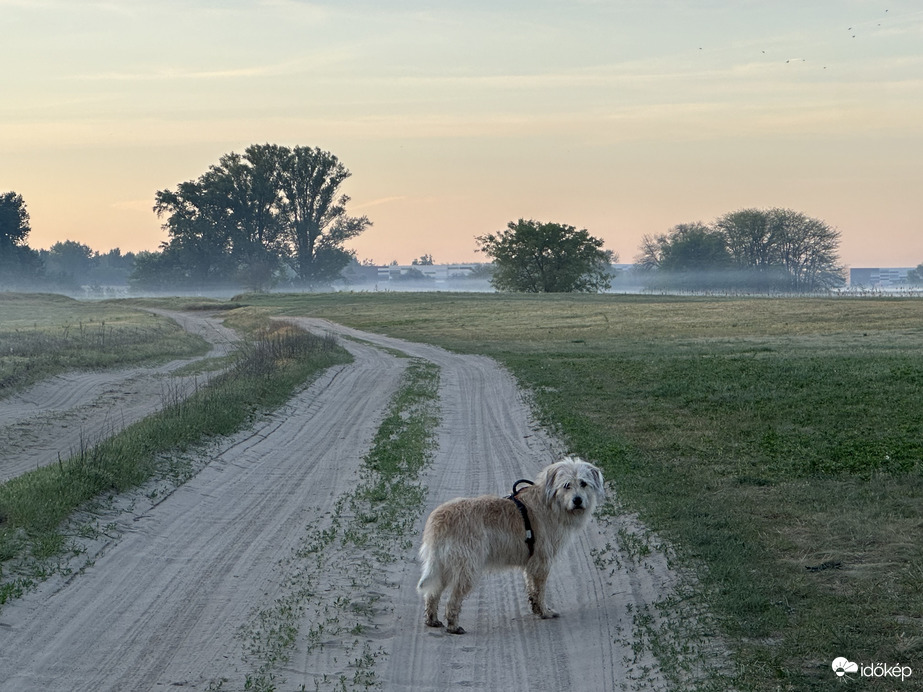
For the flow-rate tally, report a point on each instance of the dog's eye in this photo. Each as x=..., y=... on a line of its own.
x=567, y=486
x=582, y=484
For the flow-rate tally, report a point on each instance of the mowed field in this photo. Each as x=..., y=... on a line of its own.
x=775, y=445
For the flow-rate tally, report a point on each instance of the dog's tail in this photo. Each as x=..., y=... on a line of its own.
x=431, y=578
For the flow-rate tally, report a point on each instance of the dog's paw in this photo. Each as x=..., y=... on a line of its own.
x=455, y=629
x=433, y=622
x=543, y=611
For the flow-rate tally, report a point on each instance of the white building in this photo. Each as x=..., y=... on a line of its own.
x=878, y=277
x=436, y=272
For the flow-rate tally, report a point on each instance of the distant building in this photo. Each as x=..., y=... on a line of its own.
x=436, y=272
x=878, y=277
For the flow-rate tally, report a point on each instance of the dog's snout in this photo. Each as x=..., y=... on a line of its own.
x=578, y=501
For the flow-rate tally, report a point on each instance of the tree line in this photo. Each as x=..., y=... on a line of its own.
x=759, y=249
x=749, y=249
x=275, y=216
x=65, y=266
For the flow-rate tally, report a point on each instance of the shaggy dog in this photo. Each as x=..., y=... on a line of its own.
x=466, y=536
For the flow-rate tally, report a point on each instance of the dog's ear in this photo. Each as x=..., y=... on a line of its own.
x=596, y=481
x=593, y=477
x=546, y=480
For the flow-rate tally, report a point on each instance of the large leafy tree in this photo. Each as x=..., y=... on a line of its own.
x=803, y=249
x=253, y=214
x=750, y=248
x=536, y=257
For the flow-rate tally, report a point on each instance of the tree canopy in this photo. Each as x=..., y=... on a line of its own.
x=776, y=249
x=535, y=257
x=17, y=261
x=254, y=218
x=14, y=221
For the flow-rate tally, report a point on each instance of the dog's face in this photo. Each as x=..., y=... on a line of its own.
x=573, y=485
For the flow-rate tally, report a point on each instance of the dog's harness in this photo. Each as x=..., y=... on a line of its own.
x=530, y=539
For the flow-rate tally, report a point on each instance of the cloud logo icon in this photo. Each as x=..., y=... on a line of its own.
x=841, y=666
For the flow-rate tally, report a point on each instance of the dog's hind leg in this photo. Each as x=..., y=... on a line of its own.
x=432, y=609
x=431, y=586
x=535, y=588
x=463, y=584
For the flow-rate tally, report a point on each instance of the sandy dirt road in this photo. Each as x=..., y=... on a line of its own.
x=57, y=417
x=164, y=604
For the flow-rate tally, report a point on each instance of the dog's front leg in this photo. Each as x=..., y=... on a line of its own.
x=536, y=575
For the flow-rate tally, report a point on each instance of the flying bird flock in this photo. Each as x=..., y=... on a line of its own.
x=852, y=32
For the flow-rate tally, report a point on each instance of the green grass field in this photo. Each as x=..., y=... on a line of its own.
x=776, y=444
x=42, y=335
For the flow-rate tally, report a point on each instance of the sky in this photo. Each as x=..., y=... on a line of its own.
x=624, y=117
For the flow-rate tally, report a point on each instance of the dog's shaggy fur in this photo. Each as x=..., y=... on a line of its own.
x=466, y=536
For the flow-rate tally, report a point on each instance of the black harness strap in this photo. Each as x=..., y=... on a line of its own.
x=530, y=538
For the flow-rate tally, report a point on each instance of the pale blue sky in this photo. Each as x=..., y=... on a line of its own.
x=623, y=117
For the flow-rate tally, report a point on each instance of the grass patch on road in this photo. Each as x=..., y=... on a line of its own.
x=33, y=506
x=370, y=528
x=43, y=335
x=776, y=443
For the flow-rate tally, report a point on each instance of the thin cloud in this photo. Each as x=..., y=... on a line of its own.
x=309, y=63
x=379, y=202
x=174, y=73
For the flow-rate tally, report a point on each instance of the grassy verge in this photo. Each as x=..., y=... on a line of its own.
x=34, y=505
x=43, y=335
x=776, y=443
x=369, y=529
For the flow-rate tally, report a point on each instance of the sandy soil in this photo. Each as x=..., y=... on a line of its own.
x=59, y=416
x=167, y=601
